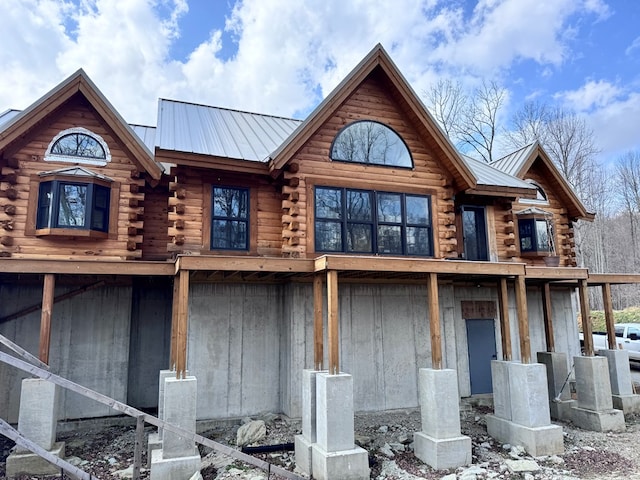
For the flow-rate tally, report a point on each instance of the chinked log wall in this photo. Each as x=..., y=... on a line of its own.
x=312, y=166
x=20, y=167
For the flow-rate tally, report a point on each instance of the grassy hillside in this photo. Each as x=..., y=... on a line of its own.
x=628, y=315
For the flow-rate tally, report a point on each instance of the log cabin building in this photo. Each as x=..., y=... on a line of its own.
x=245, y=247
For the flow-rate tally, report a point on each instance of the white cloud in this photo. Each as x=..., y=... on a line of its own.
x=635, y=45
x=592, y=95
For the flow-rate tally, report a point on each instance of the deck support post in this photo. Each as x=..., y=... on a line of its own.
x=608, y=316
x=182, y=324
x=548, y=317
x=523, y=319
x=505, y=326
x=434, y=321
x=45, y=318
x=318, y=334
x=585, y=314
x=333, y=329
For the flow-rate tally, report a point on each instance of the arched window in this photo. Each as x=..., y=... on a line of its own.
x=78, y=145
x=541, y=195
x=372, y=143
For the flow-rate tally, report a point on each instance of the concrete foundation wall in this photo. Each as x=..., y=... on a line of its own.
x=89, y=345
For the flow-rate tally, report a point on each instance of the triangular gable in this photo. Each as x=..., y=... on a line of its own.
x=495, y=182
x=378, y=58
x=520, y=162
x=80, y=83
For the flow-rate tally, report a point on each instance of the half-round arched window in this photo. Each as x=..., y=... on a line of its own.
x=78, y=145
x=372, y=143
x=541, y=195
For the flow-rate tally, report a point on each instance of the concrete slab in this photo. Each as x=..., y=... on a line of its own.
x=598, y=421
x=181, y=468
x=352, y=464
x=334, y=412
x=537, y=441
x=38, y=415
x=27, y=463
x=442, y=453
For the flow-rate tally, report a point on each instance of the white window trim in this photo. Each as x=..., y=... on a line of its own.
x=53, y=157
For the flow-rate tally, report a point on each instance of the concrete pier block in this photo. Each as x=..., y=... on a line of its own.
x=442, y=453
x=38, y=415
x=440, y=443
x=560, y=401
x=334, y=412
x=529, y=394
x=163, y=375
x=180, y=410
x=27, y=463
x=303, y=442
x=609, y=420
x=619, y=371
x=523, y=416
x=501, y=391
x=593, y=387
x=352, y=464
x=181, y=468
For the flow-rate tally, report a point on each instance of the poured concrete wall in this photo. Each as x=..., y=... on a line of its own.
x=89, y=345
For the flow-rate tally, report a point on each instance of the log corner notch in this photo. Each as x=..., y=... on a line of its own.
x=177, y=210
x=292, y=191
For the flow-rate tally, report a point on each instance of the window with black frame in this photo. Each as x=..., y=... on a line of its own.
x=368, y=221
x=73, y=205
x=534, y=235
x=230, y=218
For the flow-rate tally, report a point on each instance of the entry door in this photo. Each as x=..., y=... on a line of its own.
x=481, y=341
x=474, y=233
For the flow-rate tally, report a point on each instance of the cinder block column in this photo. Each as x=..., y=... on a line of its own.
x=37, y=421
x=594, y=409
x=335, y=455
x=440, y=443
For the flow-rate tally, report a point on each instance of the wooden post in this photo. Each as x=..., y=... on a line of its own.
x=523, y=319
x=137, y=448
x=318, y=334
x=333, y=329
x=434, y=321
x=547, y=315
x=183, y=324
x=505, y=326
x=608, y=316
x=586, y=318
x=174, y=323
x=45, y=317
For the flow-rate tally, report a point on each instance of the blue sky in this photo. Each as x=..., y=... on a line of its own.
x=283, y=56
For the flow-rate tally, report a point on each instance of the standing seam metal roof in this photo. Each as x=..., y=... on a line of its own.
x=487, y=174
x=220, y=132
x=512, y=163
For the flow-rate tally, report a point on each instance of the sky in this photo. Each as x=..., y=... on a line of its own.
x=282, y=57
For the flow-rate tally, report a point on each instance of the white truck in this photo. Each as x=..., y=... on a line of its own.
x=627, y=338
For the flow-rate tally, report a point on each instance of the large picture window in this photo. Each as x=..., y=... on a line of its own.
x=73, y=205
x=365, y=221
x=371, y=143
x=230, y=218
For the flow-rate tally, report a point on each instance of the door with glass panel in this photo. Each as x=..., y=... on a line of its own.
x=474, y=232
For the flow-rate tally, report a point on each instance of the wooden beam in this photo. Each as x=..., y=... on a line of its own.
x=434, y=321
x=523, y=319
x=333, y=327
x=547, y=315
x=608, y=316
x=613, y=278
x=505, y=326
x=183, y=324
x=318, y=334
x=585, y=313
x=559, y=273
x=246, y=264
x=45, y=318
x=86, y=267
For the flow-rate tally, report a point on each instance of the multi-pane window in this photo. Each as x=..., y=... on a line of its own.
x=73, y=205
x=534, y=235
x=365, y=221
x=230, y=218
x=78, y=145
x=372, y=143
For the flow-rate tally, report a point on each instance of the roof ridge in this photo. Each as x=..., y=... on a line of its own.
x=514, y=152
x=195, y=104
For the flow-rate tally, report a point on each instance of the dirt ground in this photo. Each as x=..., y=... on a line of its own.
x=107, y=452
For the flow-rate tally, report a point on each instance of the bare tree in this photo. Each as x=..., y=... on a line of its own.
x=628, y=177
x=470, y=121
x=528, y=125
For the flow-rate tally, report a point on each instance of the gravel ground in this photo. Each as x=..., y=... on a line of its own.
x=108, y=452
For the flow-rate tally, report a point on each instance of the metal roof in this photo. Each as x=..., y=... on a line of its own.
x=7, y=115
x=487, y=174
x=146, y=134
x=220, y=132
x=513, y=162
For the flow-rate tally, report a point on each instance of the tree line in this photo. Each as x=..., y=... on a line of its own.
x=477, y=124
